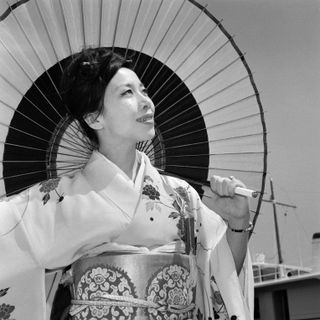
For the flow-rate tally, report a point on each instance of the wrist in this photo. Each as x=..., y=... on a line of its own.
x=239, y=222
x=244, y=225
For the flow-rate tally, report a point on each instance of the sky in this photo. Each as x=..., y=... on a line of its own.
x=282, y=45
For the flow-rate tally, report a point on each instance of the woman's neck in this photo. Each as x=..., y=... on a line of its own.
x=123, y=156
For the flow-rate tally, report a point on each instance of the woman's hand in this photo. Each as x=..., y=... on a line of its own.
x=223, y=200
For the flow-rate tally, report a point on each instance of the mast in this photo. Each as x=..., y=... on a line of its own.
x=280, y=259
x=276, y=226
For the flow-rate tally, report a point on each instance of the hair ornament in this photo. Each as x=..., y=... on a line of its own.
x=89, y=70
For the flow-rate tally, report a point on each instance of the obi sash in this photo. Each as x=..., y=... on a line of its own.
x=132, y=286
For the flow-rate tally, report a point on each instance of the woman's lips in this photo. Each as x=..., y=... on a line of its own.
x=148, y=118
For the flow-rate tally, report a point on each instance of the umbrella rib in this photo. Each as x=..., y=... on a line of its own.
x=73, y=127
x=186, y=58
x=70, y=51
x=21, y=174
x=211, y=141
x=148, y=33
x=41, y=161
x=82, y=24
x=44, y=68
x=75, y=138
x=210, y=154
x=31, y=102
x=24, y=174
x=212, y=168
x=43, y=150
x=82, y=155
x=163, y=37
x=15, y=88
x=117, y=24
x=178, y=43
x=77, y=150
x=22, y=114
x=49, y=37
x=16, y=110
x=133, y=27
x=100, y=24
x=215, y=140
x=210, y=96
x=65, y=26
x=209, y=113
x=198, y=86
x=216, y=125
x=201, y=101
x=146, y=147
x=176, y=46
x=21, y=146
x=68, y=167
x=23, y=132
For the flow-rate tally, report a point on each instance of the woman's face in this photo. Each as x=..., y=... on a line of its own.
x=128, y=112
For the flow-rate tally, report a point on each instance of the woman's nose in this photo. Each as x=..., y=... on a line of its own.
x=147, y=104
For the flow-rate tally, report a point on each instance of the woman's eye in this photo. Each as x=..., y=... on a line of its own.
x=145, y=91
x=127, y=92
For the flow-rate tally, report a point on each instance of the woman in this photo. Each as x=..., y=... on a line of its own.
x=141, y=245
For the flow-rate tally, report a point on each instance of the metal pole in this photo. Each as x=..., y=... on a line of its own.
x=276, y=223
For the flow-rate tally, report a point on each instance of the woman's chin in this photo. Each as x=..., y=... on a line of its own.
x=148, y=136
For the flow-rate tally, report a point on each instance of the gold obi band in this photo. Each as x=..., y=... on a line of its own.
x=132, y=286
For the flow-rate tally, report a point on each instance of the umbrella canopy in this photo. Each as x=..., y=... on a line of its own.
x=209, y=119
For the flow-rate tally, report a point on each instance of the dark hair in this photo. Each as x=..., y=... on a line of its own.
x=84, y=82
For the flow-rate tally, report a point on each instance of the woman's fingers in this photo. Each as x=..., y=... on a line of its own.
x=223, y=186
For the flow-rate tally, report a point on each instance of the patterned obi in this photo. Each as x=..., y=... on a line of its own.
x=132, y=286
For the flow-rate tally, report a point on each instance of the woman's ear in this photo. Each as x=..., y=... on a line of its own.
x=94, y=120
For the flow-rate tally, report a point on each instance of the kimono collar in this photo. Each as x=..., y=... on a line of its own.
x=110, y=182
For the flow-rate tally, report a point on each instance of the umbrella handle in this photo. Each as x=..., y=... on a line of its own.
x=238, y=190
x=246, y=192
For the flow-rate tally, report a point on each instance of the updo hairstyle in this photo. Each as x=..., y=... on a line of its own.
x=84, y=82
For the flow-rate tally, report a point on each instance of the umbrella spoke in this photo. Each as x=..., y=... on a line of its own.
x=40, y=61
x=35, y=85
x=185, y=60
x=211, y=168
x=148, y=147
x=148, y=33
x=77, y=155
x=198, y=103
x=73, y=162
x=55, y=53
x=177, y=45
x=25, y=116
x=199, y=155
x=15, y=88
x=209, y=113
x=65, y=25
x=163, y=37
x=117, y=25
x=214, y=126
x=76, y=149
x=52, y=45
x=133, y=28
x=198, y=86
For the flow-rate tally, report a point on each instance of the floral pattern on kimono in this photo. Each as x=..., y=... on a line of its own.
x=97, y=206
x=180, y=205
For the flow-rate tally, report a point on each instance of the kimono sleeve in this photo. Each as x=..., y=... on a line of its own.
x=20, y=273
x=231, y=295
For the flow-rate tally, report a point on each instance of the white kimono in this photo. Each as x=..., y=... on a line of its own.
x=54, y=223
